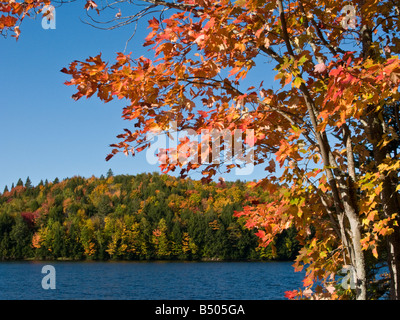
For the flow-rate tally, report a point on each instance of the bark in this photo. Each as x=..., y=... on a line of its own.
x=337, y=179
x=390, y=205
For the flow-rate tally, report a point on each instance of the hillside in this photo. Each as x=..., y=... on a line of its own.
x=142, y=217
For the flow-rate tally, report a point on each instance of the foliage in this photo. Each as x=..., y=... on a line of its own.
x=147, y=216
x=327, y=133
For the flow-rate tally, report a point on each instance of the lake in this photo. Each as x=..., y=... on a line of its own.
x=150, y=280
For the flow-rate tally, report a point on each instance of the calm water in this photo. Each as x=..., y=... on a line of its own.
x=150, y=280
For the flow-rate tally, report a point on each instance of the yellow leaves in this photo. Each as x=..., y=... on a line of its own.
x=391, y=165
x=377, y=229
x=240, y=3
x=285, y=78
x=36, y=240
x=297, y=82
x=370, y=217
x=240, y=46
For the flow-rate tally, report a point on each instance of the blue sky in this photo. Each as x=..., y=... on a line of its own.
x=44, y=133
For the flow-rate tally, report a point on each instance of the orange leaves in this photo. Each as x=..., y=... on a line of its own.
x=210, y=24
x=91, y=5
x=269, y=218
x=203, y=53
x=7, y=21
x=308, y=281
x=372, y=81
x=234, y=71
x=93, y=76
x=154, y=24
x=36, y=239
x=15, y=14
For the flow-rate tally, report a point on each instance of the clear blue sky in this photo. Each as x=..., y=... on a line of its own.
x=45, y=134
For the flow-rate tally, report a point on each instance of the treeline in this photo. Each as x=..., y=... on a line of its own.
x=142, y=217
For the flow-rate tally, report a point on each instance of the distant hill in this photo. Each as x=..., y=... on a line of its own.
x=142, y=217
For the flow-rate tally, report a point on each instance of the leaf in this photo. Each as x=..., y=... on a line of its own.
x=288, y=79
x=320, y=68
x=291, y=294
x=234, y=71
x=298, y=81
x=90, y=4
x=308, y=281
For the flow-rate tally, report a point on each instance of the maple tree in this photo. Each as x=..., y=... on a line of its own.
x=327, y=135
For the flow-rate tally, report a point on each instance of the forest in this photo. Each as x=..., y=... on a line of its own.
x=124, y=217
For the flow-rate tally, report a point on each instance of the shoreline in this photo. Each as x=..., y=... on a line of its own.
x=138, y=260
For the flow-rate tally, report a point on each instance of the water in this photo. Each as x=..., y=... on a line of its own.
x=150, y=280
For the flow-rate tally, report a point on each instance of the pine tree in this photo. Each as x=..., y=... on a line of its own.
x=5, y=189
x=110, y=173
x=28, y=183
x=20, y=183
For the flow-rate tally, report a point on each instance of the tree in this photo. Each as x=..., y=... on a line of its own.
x=20, y=183
x=160, y=240
x=87, y=238
x=337, y=70
x=7, y=224
x=28, y=183
x=110, y=173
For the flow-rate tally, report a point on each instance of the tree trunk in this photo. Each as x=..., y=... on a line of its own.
x=390, y=206
x=358, y=260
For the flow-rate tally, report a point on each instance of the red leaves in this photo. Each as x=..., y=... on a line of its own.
x=204, y=114
x=209, y=24
x=154, y=23
x=201, y=56
x=7, y=21
x=291, y=294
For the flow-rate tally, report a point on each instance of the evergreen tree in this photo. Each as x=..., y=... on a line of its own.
x=19, y=182
x=5, y=189
x=147, y=216
x=110, y=173
x=20, y=236
x=28, y=183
